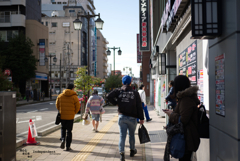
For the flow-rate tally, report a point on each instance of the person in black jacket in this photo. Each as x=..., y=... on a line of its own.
x=129, y=109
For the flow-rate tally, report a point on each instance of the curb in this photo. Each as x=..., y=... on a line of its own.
x=44, y=132
x=17, y=105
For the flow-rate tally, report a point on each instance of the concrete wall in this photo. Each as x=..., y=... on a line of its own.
x=35, y=31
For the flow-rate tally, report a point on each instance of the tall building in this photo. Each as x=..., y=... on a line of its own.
x=25, y=16
x=102, y=59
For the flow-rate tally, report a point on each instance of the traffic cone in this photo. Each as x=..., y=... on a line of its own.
x=30, y=140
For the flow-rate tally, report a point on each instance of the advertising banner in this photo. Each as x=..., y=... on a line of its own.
x=187, y=63
x=220, y=84
x=144, y=25
x=200, y=85
x=139, y=54
x=42, y=52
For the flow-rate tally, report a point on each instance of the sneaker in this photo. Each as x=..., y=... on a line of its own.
x=62, y=146
x=93, y=129
x=68, y=149
x=96, y=131
x=133, y=152
x=149, y=120
x=122, y=156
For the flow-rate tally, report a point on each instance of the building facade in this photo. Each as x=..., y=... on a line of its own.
x=102, y=60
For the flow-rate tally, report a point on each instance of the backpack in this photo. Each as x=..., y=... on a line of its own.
x=177, y=145
x=203, y=125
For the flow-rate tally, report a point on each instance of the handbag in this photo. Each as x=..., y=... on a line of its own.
x=58, y=118
x=143, y=134
x=203, y=125
x=85, y=116
x=177, y=145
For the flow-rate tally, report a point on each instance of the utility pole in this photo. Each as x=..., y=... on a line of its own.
x=60, y=72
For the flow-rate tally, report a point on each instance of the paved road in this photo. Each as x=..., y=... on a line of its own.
x=43, y=115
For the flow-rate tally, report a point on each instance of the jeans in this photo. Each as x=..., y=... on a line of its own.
x=67, y=125
x=146, y=112
x=126, y=123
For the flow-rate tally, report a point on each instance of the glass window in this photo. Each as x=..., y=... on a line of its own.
x=3, y=35
x=98, y=38
x=54, y=24
x=14, y=12
x=59, y=2
x=64, y=2
x=53, y=2
x=46, y=23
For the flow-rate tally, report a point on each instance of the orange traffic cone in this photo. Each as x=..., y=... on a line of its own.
x=30, y=140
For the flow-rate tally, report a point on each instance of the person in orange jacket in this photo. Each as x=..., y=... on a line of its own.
x=68, y=105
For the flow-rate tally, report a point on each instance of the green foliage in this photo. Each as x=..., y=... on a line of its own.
x=19, y=58
x=113, y=81
x=83, y=81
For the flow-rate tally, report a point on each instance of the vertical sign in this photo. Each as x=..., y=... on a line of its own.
x=200, y=85
x=220, y=84
x=41, y=52
x=144, y=25
x=187, y=63
x=139, y=54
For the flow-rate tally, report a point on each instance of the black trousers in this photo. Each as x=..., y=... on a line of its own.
x=66, y=125
x=187, y=156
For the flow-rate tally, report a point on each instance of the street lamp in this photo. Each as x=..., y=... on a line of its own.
x=78, y=26
x=46, y=60
x=109, y=53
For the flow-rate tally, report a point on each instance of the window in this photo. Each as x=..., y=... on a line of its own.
x=71, y=11
x=5, y=17
x=98, y=37
x=42, y=23
x=52, y=32
x=59, y=2
x=54, y=24
x=53, y=2
x=14, y=12
x=7, y=35
x=46, y=23
x=64, y=2
x=52, y=43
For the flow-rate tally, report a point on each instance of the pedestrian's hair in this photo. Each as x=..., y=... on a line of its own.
x=141, y=87
x=95, y=92
x=181, y=83
x=70, y=86
x=171, y=83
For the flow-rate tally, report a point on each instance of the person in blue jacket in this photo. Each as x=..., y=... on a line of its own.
x=171, y=101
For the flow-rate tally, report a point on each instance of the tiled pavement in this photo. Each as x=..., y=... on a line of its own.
x=103, y=146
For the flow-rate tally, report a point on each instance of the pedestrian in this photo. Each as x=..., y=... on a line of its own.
x=144, y=104
x=129, y=109
x=68, y=105
x=27, y=93
x=186, y=96
x=94, y=104
x=170, y=99
x=43, y=95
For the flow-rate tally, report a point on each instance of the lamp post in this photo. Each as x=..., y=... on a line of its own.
x=46, y=60
x=78, y=26
x=109, y=53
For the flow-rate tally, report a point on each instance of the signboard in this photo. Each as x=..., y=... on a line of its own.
x=66, y=24
x=187, y=63
x=8, y=73
x=144, y=25
x=200, y=85
x=139, y=54
x=42, y=52
x=220, y=84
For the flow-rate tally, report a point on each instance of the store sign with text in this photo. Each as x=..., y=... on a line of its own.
x=42, y=52
x=139, y=54
x=144, y=25
x=187, y=63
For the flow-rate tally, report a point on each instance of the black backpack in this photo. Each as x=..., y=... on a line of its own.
x=203, y=125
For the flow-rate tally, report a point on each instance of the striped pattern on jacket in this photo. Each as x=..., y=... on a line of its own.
x=94, y=104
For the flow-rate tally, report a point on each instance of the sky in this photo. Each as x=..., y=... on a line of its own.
x=121, y=25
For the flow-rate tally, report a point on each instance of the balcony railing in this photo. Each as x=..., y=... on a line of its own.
x=5, y=19
x=4, y=0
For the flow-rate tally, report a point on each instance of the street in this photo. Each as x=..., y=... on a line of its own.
x=42, y=114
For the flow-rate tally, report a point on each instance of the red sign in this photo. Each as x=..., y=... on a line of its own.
x=7, y=72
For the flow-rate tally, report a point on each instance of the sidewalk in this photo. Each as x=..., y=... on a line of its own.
x=24, y=102
x=102, y=146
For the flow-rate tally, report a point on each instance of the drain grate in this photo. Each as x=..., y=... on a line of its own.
x=158, y=136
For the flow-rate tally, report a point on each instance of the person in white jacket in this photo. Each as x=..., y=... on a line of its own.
x=144, y=104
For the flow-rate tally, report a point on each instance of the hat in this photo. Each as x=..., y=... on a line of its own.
x=126, y=80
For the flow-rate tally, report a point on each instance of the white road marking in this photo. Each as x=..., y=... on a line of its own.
x=25, y=121
x=32, y=111
x=17, y=120
x=38, y=118
x=52, y=103
x=44, y=109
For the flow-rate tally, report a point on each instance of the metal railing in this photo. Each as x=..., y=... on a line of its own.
x=5, y=19
x=4, y=0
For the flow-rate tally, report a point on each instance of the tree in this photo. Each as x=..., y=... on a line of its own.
x=113, y=81
x=19, y=58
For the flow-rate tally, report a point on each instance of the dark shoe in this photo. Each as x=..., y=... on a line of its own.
x=62, y=146
x=133, y=152
x=149, y=120
x=68, y=149
x=122, y=157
